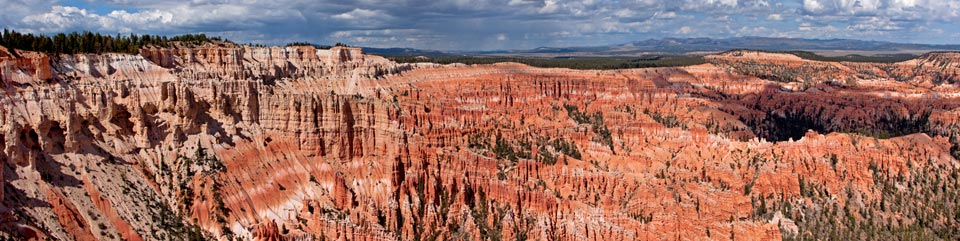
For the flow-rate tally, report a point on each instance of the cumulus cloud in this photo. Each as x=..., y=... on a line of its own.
x=364, y=17
x=357, y=14
x=172, y=17
x=549, y=6
x=841, y=6
x=65, y=18
x=908, y=9
x=15, y=10
x=485, y=24
x=875, y=24
x=61, y=17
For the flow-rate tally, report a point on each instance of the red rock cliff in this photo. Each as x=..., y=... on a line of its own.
x=298, y=143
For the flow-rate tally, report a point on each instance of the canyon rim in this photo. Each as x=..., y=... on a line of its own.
x=680, y=137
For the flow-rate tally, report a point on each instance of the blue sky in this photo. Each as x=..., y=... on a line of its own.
x=494, y=24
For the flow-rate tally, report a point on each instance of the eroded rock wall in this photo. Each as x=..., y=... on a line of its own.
x=297, y=143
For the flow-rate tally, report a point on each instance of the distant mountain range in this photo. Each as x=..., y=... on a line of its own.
x=697, y=45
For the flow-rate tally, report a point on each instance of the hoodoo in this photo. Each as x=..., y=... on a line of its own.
x=222, y=141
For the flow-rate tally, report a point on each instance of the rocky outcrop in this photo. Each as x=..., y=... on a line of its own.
x=932, y=69
x=270, y=65
x=936, y=68
x=25, y=68
x=119, y=114
x=296, y=143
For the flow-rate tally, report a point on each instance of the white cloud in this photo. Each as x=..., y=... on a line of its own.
x=808, y=27
x=875, y=24
x=517, y=2
x=15, y=10
x=365, y=17
x=667, y=15
x=722, y=2
x=60, y=18
x=549, y=6
x=472, y=24
x=756, y=31
x=356, y=14
x=624, y=13
x=176, y=17
x=907, y=9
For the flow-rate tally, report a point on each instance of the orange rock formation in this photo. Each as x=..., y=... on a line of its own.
x=224, y=142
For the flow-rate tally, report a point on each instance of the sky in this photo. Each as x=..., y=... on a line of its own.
x=493, y=24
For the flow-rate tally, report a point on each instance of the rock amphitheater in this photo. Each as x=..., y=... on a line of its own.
x=226, y=142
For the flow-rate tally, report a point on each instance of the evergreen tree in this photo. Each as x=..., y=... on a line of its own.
x=89, y=42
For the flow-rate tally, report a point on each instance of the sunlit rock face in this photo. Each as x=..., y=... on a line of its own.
x=297, y=143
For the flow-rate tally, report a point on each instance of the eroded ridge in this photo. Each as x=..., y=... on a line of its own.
x=224, y=141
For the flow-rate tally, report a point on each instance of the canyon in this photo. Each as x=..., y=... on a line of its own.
x=231, y=142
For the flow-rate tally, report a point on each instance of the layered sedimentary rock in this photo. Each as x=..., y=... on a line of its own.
x=930, y=70
x=296, y=143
